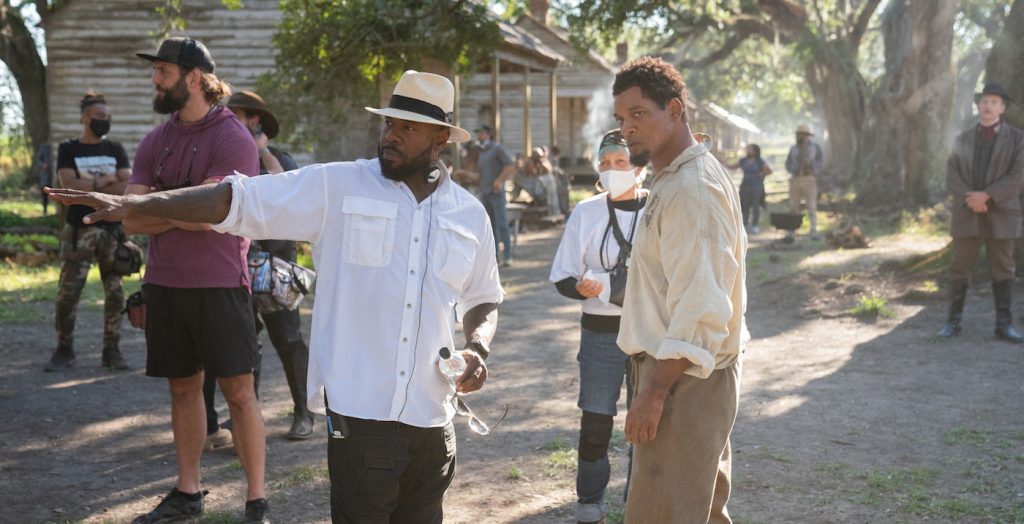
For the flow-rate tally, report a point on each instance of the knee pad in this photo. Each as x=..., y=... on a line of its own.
x=595, y=434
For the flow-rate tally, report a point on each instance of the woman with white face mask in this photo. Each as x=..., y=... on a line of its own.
x=588, y=253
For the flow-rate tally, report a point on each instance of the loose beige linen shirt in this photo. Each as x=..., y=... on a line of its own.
x=686, y=294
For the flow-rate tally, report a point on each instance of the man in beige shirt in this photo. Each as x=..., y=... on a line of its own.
x=682, y=320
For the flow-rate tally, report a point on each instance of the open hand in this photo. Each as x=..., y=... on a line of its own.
x=108, y=207
x=589, y=288
x=643, y=417
x=474, y=376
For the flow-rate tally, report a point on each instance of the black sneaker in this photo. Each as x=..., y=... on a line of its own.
x=112, y=359
x=63, y=357
x=256, y=512
x=175, y=507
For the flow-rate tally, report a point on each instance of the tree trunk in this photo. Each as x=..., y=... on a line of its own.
x=1005, y=63
x=18, y=52
x=840, y=91
x=904, y=146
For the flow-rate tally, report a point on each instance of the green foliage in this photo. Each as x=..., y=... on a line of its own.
x=335, y=56
x=514, y=473
x=15, y=159
x=871, y=307
x=173, y=19
x=30, y=243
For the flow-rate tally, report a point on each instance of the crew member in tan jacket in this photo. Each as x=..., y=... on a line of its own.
x=984, y=177
x=682, y=319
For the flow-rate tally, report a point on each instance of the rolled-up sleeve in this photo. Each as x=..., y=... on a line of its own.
x=483, y=285
x=698, y=238
x=288, y=206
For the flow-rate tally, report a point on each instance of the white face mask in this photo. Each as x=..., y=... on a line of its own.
x=618, y=182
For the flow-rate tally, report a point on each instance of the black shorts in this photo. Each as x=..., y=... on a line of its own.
x=188, y=330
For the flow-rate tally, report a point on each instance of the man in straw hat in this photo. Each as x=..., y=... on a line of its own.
x=398, y=248
x=984, y=175
x=805, y=162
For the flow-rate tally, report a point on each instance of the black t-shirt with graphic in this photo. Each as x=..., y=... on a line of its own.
x=98, y=160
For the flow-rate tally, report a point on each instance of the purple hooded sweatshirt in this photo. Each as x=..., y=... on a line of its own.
x=177, y=155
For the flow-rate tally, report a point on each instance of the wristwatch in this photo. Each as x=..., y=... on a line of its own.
x=478, y=347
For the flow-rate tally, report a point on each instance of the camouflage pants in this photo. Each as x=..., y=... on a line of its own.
x=93, y=243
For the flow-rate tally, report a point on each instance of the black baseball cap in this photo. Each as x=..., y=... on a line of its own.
x=184, y=51
x=485, y=128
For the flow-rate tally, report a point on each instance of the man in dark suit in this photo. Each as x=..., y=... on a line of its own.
x=984, y=176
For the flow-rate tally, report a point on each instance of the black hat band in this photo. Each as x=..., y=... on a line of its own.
x=414, y=105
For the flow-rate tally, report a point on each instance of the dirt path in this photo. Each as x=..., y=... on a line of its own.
x=840, y=420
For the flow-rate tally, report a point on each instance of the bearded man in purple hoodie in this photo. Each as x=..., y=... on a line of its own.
x=196, y=286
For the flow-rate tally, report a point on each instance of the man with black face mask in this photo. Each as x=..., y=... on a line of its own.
x=399, y=250
x=90, y=162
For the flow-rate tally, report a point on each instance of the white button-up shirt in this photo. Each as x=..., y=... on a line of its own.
x=586, y=235
x=391, y=273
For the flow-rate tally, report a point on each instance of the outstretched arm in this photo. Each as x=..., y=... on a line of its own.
x=208, y=203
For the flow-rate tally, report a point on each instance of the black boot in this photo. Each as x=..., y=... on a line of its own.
x=113, y=359
x=1002, y=292
x=63, y=357
x=957, y=294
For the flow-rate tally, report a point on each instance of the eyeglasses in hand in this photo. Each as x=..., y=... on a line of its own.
x=478, y=426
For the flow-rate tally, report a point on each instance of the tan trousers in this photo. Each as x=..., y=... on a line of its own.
x=998, y=251
x=684, y=475
x=805, y=188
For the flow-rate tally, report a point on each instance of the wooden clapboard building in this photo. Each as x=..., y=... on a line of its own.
x=92, y=44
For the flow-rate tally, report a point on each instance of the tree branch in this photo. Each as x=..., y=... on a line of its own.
x=861, y=25
x=741, y=29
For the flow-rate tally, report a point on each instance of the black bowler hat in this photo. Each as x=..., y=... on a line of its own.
x=184, y=51
x=993, y=88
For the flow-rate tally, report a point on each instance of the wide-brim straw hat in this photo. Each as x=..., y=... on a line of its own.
x=426, y=98
x=804, y=129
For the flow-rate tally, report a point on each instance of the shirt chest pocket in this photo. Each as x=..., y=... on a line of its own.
x=456, y=252
x=369, y=231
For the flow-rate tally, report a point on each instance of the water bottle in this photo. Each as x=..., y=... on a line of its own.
x=452, y=365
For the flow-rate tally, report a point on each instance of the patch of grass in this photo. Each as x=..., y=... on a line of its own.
x=933, y=263
x=563, y=459
x=514, y=473
x=777, y=456
x=617, y=515
x=962, y=435
x=932, y=221
x=219, y=517
x=926, y=291
x=558, y=444
x=30, y=243
x=21, y=285
x=871, y=307
x=20, y=212
x=302, y=475
x=233, y=466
